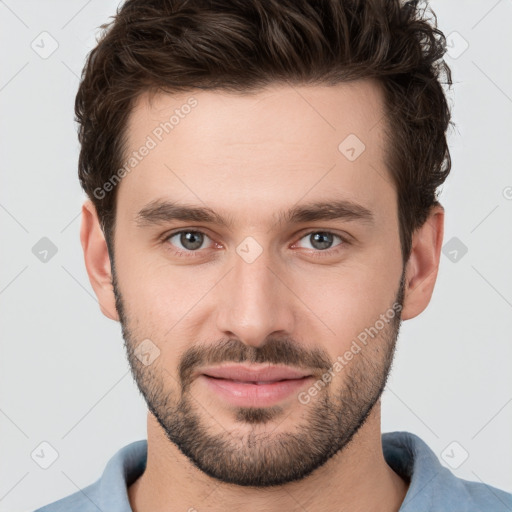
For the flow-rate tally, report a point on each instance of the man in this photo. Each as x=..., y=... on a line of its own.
x=262, y=215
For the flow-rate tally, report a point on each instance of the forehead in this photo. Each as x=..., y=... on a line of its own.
x=264, y=150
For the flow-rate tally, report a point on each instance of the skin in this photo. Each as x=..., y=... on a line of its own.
x=249, y=157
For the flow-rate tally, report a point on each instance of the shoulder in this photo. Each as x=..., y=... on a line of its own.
x=433, y=487
x=110, y=491
x=448, y=493
x=469, y=496
x=84, y=500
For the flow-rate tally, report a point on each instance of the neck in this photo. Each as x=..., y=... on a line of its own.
x=355, y=479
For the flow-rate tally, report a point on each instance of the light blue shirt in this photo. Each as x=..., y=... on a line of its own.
x=433, y=487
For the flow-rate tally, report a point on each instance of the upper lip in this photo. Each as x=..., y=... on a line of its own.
x=254, y=374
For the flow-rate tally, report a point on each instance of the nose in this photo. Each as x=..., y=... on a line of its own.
x=254, y=301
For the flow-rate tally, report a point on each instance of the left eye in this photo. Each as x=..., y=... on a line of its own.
x=321, y=240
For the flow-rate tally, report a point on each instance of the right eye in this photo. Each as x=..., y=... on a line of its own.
x=186, y=241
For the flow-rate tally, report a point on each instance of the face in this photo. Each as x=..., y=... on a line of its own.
x=258, y=273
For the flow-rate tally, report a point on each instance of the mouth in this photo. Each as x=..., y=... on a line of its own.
x=254, y=382
x=254, y=386
x=255, y=374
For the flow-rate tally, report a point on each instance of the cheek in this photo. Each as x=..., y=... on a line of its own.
x=163, y=301
x=345, y=301
x=148, y=295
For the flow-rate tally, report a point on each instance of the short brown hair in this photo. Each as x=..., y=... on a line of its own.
x=244, y=45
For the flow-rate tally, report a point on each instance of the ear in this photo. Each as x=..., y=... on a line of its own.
x=423, y=264
x=97, y=260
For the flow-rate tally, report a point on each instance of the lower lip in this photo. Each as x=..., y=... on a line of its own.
x=249, y=394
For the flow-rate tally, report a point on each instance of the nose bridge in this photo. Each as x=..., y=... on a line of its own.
x=254, y=301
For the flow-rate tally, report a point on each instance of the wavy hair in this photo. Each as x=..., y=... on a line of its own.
x=242, y=46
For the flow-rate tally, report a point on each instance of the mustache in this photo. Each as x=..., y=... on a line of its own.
x=276, y=351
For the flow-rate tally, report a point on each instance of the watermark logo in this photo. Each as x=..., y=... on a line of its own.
x=44, y=45
x=44, y=455
x=456, y=45
x=44, y=250
x=249, y=249
x=352, y=147
x=146, y=352
x=454, y=455
x=454, y=249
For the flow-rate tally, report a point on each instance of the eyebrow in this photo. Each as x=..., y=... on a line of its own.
x=161, y=211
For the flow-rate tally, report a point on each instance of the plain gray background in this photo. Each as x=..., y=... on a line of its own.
x=64, y=377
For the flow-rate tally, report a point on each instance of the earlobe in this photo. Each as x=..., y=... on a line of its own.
x=423, y=264
x=97, y=260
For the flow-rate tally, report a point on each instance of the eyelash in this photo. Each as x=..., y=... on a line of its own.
x=314, y=253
